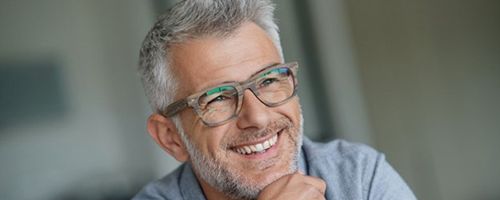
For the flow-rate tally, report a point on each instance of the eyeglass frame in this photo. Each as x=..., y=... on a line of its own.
x=193, y=99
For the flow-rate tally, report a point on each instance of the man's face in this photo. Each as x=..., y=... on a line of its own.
x=210, y=61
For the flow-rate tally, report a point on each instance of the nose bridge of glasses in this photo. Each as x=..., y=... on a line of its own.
x=250, y=84
x=251, y=98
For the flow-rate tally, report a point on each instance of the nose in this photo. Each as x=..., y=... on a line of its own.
x=254, y=114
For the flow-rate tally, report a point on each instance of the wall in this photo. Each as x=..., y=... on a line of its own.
x=96, y=146
x=431, y=77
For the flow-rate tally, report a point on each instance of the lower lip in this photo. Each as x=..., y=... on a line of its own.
x=266, y=154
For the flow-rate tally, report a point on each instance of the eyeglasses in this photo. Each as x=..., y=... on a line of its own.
x=273, y=87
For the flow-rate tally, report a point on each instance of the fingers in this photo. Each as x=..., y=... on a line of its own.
x=317, y=183
x=295, y=186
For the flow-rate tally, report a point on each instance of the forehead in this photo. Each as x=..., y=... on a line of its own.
x=204, y=62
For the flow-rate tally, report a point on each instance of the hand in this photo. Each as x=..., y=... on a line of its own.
x=294, y=186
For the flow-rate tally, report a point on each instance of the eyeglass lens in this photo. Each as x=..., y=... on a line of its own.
x=221, y=103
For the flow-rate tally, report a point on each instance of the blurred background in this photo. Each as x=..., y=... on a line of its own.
x=417, y=80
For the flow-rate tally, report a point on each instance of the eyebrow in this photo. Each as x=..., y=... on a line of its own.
x=265, y=68
x=218, y=89
x=253, y=75
x=211, y=91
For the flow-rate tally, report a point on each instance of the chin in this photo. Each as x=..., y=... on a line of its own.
x=260, y=178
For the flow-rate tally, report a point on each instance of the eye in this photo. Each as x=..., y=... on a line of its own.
x=219, y=99
x=268, y=81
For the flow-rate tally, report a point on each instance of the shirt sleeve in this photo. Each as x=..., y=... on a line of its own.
x=386, y=184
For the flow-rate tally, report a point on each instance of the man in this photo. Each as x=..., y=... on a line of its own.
x=225, y=105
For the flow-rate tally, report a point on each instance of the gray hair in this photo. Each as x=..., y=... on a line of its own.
x=193, y=19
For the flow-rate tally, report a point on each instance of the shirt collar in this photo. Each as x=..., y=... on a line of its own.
x=189, y=185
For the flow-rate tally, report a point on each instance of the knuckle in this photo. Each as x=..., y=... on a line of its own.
x=317, y=195
x=294, y=177
x=314, y=194
x=323, y=184
x=310, y=188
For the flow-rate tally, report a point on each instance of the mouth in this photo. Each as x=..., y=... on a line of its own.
x=259, y=148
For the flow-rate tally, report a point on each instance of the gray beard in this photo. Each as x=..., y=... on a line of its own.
x=227, y=180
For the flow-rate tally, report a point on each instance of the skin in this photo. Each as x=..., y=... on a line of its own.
x=205, y=62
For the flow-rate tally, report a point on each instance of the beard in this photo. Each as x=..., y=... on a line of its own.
x=222, y=176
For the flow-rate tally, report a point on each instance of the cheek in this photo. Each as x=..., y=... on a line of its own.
x=291, y=110
x=210, y=139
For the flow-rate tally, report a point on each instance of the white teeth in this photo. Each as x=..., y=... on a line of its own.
x=247, y=149
x=266, y=144
x=257, y=148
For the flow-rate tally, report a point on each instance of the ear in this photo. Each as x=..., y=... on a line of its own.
x=165, y=134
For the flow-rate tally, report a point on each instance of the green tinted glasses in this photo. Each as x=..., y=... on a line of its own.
x=217, y=105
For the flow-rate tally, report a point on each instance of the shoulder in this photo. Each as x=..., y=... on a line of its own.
x=340, y=151
x=354, y=171
x=340, y=159
x=164, y=188
x=347, y=168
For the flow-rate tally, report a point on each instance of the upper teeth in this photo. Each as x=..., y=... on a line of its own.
x=260, y=147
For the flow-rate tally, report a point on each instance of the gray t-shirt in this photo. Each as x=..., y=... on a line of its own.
x=351, y=171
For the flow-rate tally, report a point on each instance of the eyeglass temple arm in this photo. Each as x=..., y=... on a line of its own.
x=176, y=107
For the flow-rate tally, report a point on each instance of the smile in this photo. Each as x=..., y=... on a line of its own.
x=257, y=148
